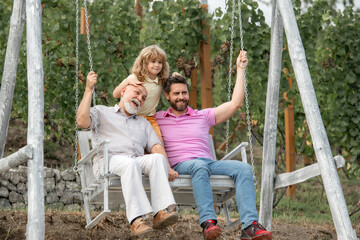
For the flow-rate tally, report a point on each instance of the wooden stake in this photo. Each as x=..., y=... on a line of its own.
x=83, y=22
x=205, y=70
x=194, y=88
x=290, y=142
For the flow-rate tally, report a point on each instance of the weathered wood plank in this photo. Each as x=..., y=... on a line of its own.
x=36, y=212
x=303, y=174
x=271, y=116
x=320, y=141
x=16, y=159
x=8, y=82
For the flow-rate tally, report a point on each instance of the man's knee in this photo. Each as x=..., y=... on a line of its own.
x=244, y=168
x=200, y=167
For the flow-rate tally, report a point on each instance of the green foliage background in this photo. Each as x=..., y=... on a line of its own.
x=331, y=40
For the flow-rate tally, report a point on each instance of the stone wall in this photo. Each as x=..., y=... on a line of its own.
x=61, y=189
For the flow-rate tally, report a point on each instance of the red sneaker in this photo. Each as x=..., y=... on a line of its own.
x=210, y=230
x=255, y=232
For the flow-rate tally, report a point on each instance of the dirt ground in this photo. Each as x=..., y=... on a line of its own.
x=64, y=225
x=71, y=226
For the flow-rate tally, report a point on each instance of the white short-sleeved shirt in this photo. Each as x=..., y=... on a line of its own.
x=128, y=135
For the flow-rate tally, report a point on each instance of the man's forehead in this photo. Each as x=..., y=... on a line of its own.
x=178, y=87
x=141, y=88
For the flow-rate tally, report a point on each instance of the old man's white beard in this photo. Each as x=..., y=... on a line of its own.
x=132, y=109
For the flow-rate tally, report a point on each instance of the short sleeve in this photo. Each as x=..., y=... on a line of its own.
x=94, y=115
x=209, y=114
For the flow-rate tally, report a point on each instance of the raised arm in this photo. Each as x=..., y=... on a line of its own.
x=226, y=110
x=83, y=113
x=157, y=148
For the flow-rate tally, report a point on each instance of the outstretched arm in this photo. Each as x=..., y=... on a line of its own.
x=226, y=110
x=157, y=148
x=83, y=113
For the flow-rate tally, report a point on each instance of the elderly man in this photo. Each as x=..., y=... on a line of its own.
x=185, y=133
x=130, y=135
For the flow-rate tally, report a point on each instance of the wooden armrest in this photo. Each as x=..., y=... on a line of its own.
x=236, y=150
x=92, y=153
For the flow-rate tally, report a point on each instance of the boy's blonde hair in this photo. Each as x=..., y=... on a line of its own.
x=149, y=53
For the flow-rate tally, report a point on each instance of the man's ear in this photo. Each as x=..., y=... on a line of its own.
x=123, y=91
x=167, y=95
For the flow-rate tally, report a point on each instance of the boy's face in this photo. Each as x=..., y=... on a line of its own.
x=154, y=67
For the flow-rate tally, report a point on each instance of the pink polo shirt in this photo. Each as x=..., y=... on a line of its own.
x=186, y=136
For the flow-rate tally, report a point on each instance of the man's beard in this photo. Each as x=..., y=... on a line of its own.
x=132, y=109
x=173, y=105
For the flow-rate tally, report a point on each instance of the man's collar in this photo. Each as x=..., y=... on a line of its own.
x=117, y=108
x=189, y=112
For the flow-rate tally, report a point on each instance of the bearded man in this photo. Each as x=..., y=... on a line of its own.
x=129, y=136
x=185, y=132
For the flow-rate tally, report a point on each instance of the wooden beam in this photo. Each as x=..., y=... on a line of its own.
x=35, y=228
x=271, y=116
x=290, y=141
x=16, y=159
x=194, y=88
x=304, y=173
x=8, y=82
x=332, y=185
x=205, y=70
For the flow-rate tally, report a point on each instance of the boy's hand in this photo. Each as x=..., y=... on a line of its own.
x=242, y=60
x=133, y=81
x=176, y=74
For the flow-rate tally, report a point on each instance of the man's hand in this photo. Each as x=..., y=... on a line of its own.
x=242, y=61
x=173, y=174
x=91, y=80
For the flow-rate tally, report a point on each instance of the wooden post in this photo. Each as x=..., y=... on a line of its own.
x=271, y=116
x=321, y=144
x=205, y=70
x=193, y=91
x=8, y=82
x=290, y=142
x=138, y=8
x=83, y=22
x=36, y=214
x=16, y=159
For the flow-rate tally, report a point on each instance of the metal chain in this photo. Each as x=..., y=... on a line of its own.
x=76, y=168
x=229, y=75
x=93, y=90
x=246, y=97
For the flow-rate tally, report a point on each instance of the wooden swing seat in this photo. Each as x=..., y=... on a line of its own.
x=107, y=189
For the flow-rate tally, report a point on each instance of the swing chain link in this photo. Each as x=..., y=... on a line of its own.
x=93, y=90
x=76, y=168
x=229, y=74
x=246, y=97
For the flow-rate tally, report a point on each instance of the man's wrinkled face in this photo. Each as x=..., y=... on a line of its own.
x=134, y=98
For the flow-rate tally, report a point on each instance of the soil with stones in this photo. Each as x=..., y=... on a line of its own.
x=71, y=225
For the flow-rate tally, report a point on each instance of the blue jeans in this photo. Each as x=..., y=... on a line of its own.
x=200, y=170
